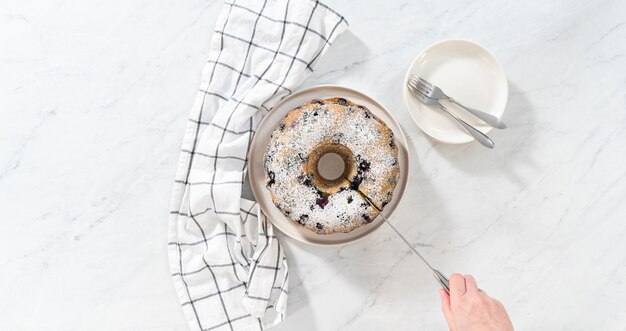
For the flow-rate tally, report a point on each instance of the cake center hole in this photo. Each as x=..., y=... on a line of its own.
x=331, y=166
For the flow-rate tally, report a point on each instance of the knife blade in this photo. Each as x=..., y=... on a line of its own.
x=441, y=279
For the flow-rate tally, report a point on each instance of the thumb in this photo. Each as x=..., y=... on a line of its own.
x=445, y=306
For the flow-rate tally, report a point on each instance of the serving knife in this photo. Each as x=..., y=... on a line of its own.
x=443, y=280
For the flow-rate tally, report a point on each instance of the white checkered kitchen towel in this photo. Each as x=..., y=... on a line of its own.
x=228, y=268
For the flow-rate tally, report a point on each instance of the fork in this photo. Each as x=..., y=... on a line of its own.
x=481, y=137
x=434, y=92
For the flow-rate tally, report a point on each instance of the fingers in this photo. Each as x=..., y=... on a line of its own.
x=470, y=284
x=457, y=285
x=445, y=306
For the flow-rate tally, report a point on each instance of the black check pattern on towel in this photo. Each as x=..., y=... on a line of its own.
x=228, y=267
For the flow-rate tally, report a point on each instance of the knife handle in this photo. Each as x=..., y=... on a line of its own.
x=487, y=118
x=443, y=280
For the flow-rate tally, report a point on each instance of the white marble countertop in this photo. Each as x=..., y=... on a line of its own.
x=94, y=98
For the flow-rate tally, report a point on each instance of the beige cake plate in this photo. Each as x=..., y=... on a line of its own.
x=262, y=137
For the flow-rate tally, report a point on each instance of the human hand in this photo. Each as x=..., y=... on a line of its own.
x=467, y=308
